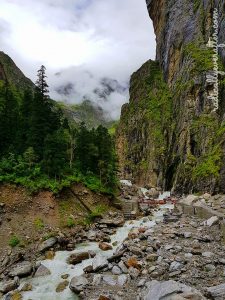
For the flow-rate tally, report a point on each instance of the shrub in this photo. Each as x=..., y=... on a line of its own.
x=14, y=241
x=70, y=222
x=38, y=223
x=96, y=213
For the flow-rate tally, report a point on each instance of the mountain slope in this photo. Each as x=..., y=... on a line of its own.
x=10, y=72
x=193, y=136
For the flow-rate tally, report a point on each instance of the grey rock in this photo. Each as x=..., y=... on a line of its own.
x=207, y=254
x=152, y=269
x=97, y=279
x=167, y=289
x=222, y=261
x=210, y=268
x=42, y=271
x=122, y=279
x=47, y=244
x=135, y=250
x=134, y=273
x=217, y=292
x=22, y=269
x=99, y=262
x=187, y=235
x=77, y=284
x=123, y=267
x=110, y=279
x=175, y=266
x=169, y=247
x=9, y=285
x=211, y=221
x=116, y=270
x=141, y=283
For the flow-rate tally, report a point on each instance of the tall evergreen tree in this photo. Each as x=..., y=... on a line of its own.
x=44, y=120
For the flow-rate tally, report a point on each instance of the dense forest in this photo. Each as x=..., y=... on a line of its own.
x=41, y=149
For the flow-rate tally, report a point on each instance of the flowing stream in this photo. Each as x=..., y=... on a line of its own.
x=44, y=287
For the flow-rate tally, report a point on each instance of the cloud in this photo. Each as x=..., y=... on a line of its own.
x=83, y=40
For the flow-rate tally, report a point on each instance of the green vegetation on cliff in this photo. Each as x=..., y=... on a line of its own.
x=146, y=121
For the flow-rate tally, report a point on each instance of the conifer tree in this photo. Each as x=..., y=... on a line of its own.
x=44, y=120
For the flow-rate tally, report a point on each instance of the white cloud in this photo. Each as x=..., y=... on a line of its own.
x=104, y=38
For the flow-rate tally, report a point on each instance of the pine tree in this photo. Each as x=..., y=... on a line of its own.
x=44, y=120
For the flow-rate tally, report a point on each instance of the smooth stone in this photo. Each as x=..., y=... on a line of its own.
x=22, y=269
x=105, y=247
x=77, y=258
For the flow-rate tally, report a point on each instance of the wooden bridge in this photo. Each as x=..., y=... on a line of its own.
x=155, y=202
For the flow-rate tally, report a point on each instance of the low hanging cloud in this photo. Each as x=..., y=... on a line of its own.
x=83, y=44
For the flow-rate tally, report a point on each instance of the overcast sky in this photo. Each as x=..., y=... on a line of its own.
x=80, y=42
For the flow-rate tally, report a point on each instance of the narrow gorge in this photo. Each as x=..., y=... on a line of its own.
x=168, y=134
x=96, y=208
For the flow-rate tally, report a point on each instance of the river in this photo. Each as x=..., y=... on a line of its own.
x=44, y=287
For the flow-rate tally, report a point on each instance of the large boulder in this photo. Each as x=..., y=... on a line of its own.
x=9, y=285
x=99, y=262
x=22, y=269
x=47, y=244
x=77, y=258
x=169, y=290
x=78, y=283
x=42, y=271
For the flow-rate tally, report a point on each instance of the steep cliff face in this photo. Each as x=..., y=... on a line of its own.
x=192, y=136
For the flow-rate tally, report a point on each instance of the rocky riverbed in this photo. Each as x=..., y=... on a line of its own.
x=181, y=258
x=174, y=258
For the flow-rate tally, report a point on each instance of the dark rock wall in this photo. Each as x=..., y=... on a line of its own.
x=193, y=136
